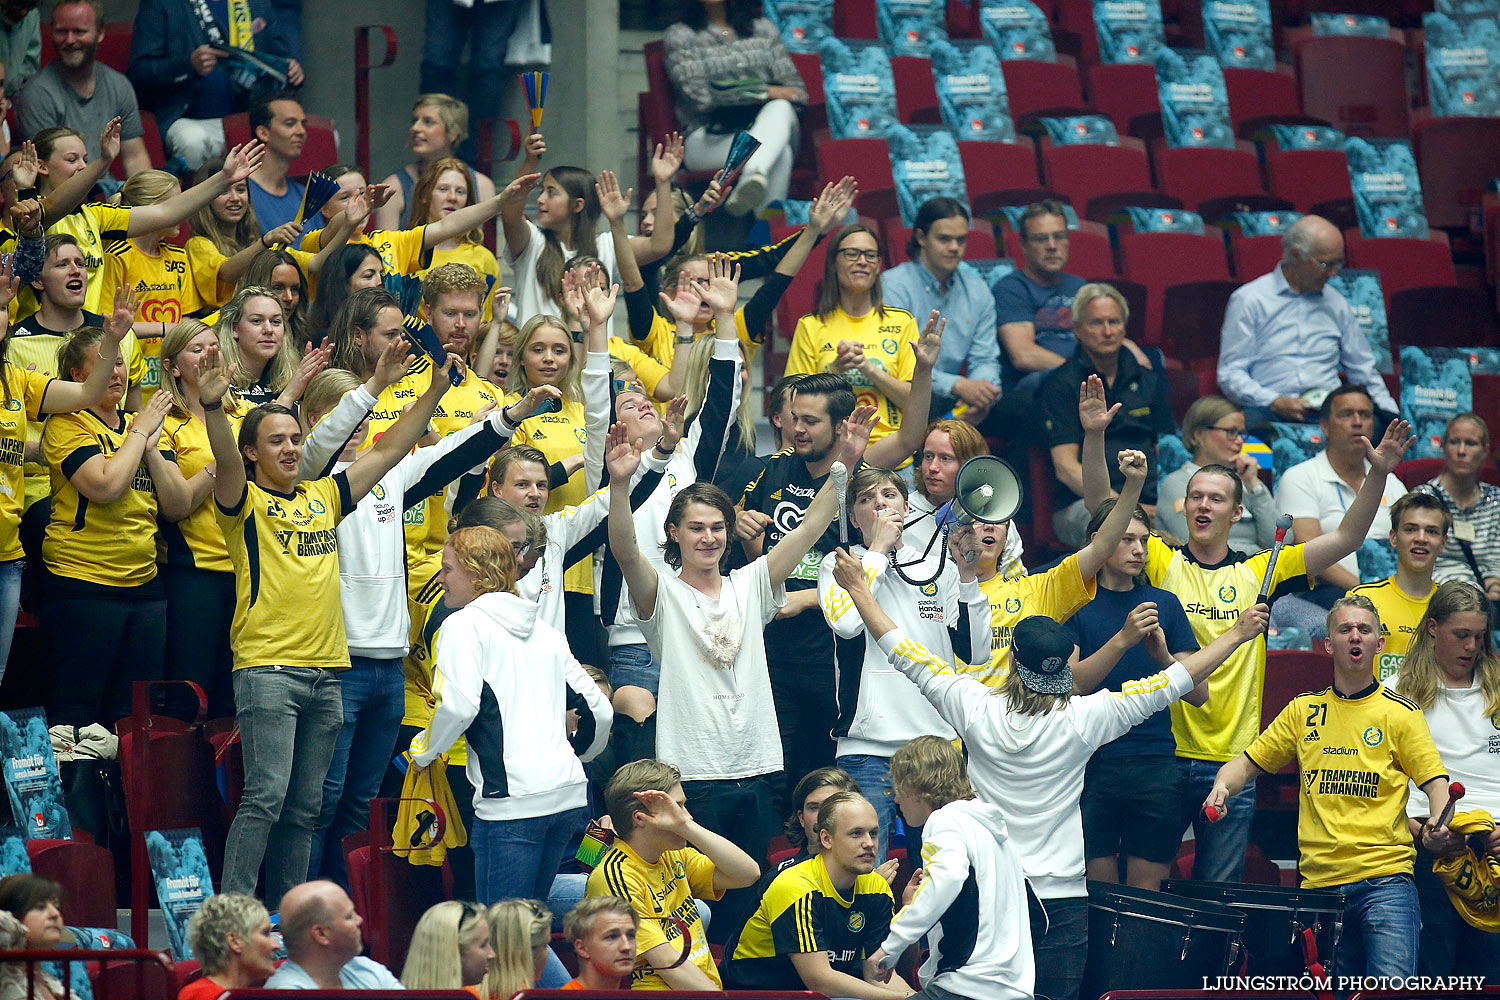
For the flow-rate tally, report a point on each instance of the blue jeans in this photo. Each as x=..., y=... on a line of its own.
x=520, y=857
x=1062, y=952
x=1219, y=851
x=10, y=606
x=486, y=28
x=873, y=775
x=374, y=694
x=634, y=664
x=1382, y=927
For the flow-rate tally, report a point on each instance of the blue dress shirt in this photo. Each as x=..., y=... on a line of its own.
x=971, y=336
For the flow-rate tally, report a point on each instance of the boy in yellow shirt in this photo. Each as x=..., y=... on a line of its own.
x=1419, y=530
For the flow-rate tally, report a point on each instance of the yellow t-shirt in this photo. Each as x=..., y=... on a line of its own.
x=1355, y=756
x=113, y=545
x=558, y=436
x=661, y=340
x=1057, y=593
x=1213, y=597
x=1400, y=617
x=205, y=259
x=426, y=525
x=424, y=604
x=400, y=250
x=23, y=405
x=94, y=225
x=888, y=342
x=658, y=892
x=196, y=540
x=646, y=368
x=476, y=256
x=165, y=292
x=284, y=548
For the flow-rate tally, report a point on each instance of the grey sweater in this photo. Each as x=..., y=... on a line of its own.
x=697, y=58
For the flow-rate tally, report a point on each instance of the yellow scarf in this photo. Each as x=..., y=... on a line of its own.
x=427, y=822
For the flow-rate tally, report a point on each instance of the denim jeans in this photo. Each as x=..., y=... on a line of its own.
x=520, y=857
x=873, y=775
x=1382, y=927
x=374, y=697
x=1061, y=954
x=486, y=27
x=289, y=718
x=1450, y=946
x=633, y=664
x=1219, y=851
x=10, y=606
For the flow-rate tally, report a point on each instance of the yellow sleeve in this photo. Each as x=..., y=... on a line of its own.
x=1292, y=562
x=1415, y=753
x=906, y=352
x=204, y=261
x=112, y=221
x=30, y=386
x=646, y=368
x=1277, y=746
x=1158, y=558
x=1063, y=590
x=111, y=276
x=407, y=252
x=311, y=242
x=63, y=435
x=802, y=358
x=700, y=874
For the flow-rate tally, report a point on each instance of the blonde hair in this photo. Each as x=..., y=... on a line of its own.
x=216, y=918
x=1022, y=700
x=324, y=392
x=432, y=962
x=279, y=369
x=487, y=554
x=1099, y=290
x=1419, y=677
x=518, y=927
x=228, y=241
x=179, y=335
x=696, y=380
x=1359, y=601
x=147, y=187
x=1202, y=415
x=933, y=769
x=579, y=921
x=453, y=113
x=638, y=776
x=516, y=381
x=828, y=812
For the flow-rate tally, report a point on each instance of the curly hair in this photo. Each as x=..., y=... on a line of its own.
x=932, y=768
x=451, y=277
x=487, y=554
x=218, y=917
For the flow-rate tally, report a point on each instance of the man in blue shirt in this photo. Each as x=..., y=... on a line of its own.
x=936, y=277
x=280, y=123
x=323, y=943
x=1286, y=335
x=1034, y=305
x=1133, y=792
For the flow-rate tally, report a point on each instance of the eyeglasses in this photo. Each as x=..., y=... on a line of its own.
x=1042, y=239
x=1325, y=265
x=1233, y=433
x=851, y=255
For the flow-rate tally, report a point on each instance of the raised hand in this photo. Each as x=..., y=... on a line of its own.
x=241, y=162
x=358, y=208
x=390, y=367
x=621, y=457
x=314, y=361
x=378, y=194
x=888, y=872
x=930, y=343
x=1248, y=469
x=532, y=402
x=855, y=435
x=1133, y=465
x=1094, y=412
x=664, y=812
x=516, y=191
x=109, y=140
x=668, y=158
x=673, y=422
x=600, y=303
x=574, y=299
x=535, y=147
x=684, y=306
x=500, y=302
x=121, y=317
x=213, y=377
x=832, y=205
x=25, y=167
x=849, y=572
x=148, y=422
x=453, y=370
x=712, y=195
x=723, y=292
x=1384, y=459
x=750, y=524
x=612, y=203
x=287, y=234
x=963, y=548
x=1252, y=621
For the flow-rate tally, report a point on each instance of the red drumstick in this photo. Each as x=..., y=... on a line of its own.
x=1455, y=792
x=1213, y=813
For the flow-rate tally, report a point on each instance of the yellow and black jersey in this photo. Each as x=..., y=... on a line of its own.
x=1400, y=616
x=196, y=540
x=94, y=225
x=1213, y=597
x=284, y=549
x=22, y=406
x=401, y=250
x=424, y=605
x=889, y=342
x=426, y=524
x=165, y=292
x=560, y=436
x=801, y=913
x=112, y=545
x=1057, y=593
x=205, y=259
x=661, y=894
x=1355, y=756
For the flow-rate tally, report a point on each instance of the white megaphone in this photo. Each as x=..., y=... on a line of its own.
x=987, y=490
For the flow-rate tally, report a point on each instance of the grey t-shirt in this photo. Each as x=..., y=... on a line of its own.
x=48, y=100
x=359, y=973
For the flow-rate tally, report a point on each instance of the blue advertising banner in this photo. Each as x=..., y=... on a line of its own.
x=1017, y=29
x=803, y=24
x=13, y=856
x=31, y=777
x=909, y=27
x=1387, y=194
x=1013, y=213
x=1082, y=130
x=1164, y=220
x=925, y=164
x=1238, y=33
x=1362, y=291
x=1435, y=387
x=1307, y=137
x=1463, y=63
x=1463, y=7
x=1264, y=223
x=1350, y=24
x=859, y=88
x=1129, y=31
x=991, y=269
x=971, y=91
x=1194, y=103
x=180, y=870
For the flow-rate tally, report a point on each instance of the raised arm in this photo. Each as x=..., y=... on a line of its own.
x=1203, y=662
x=664, y=166
x=402, y=436
x=239, y=164
x=613, y=204
x=1327, y=549
x=893, y=449
x=622, y=459
x=1095, y=414
x=513, y=212
x=733, y=868
x=1094, y=555
x=68, y=195
x=455, y=224
x=103, y=480
x=229, y=464
x=823, y=217
x=68, y=397
x=786, y=554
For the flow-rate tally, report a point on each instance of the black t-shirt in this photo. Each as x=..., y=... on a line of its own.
x=1145, y=414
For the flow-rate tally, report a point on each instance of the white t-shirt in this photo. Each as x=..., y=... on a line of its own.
x=1469, y=743
x=1313, y=489
x=528, y=298
x=714, y=715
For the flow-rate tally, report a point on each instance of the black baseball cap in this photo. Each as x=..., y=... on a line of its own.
x=1040, y=649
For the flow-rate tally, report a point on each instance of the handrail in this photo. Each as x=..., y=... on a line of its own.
x=32, y=956
x=362, y=67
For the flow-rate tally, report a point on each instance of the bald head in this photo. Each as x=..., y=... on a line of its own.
x=1312, y=252
x=309, y=912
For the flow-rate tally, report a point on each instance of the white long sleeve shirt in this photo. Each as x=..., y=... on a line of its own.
x=879, y=711
x=971, y=905
x=1031, y=766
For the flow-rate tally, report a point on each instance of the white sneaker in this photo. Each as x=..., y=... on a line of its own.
x=746, y=196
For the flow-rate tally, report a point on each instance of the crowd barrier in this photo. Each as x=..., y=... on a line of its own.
x=115, y=973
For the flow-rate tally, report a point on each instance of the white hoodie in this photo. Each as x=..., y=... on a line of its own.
x=971, y=905
x=502, y=680
x=1032, y=766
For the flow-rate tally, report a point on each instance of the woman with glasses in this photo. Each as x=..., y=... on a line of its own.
x=853, y=333
x=1214, y=431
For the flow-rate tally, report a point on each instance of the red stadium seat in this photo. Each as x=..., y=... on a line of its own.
x=189, y=799
x=1254, y=256
x=1216, y=211
x=1034, y=86
x=997, y=166
x=1415, y=471
x=1443, y=316
x=1487, y=404
x=1088, y=251
x=1109, y=209
x=1260, y=94
x=1192, y=315
x=797, y=301
x=1456, y=159
x=915, y=88
x=1158, y=260
x=87, y=874
x=810, y=66
x=1122, y=91
x=869, y=161
x=1403, y=262
x=1082, y=172
x=1197, y=175
x=1308, y=176
x=319, y=151
x=855, y=19
x=389, y=892
x=1357, y=83
x=1077, y=16
x=980, y=246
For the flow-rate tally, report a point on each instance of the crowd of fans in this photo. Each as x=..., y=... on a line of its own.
x=550, y=560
